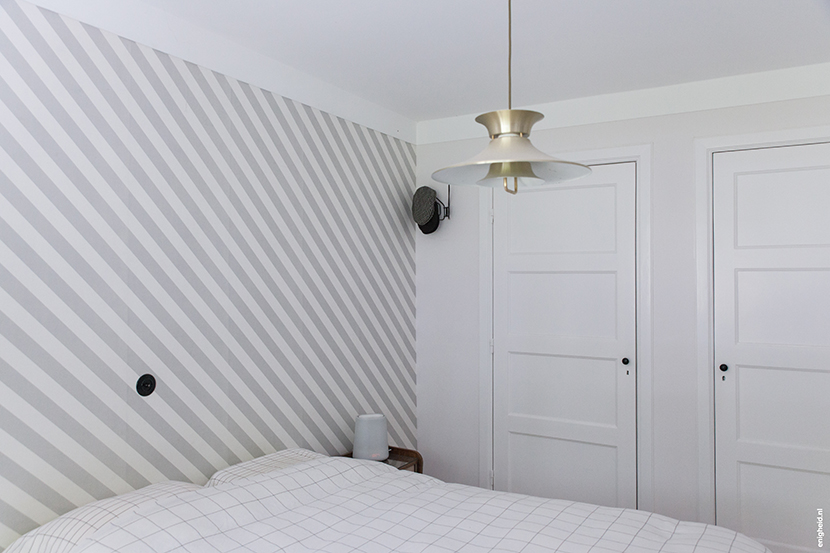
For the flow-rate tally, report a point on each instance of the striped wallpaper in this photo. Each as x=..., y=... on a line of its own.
x=253, y=253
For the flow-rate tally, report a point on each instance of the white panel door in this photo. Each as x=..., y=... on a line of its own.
x=772, y=342
x=564, y=320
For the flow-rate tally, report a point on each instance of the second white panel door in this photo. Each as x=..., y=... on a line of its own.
x=565, y=339
x=772, y=342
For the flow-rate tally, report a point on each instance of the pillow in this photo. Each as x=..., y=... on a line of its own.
x=260, y=465
x=66, y=531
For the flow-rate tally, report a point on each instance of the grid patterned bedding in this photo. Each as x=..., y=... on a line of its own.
x=62, y=534
x=344, y=505
x=267, y=463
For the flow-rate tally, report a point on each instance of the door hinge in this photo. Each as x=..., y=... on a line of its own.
x=492, y=347
x=492, y=480
x=492, y=216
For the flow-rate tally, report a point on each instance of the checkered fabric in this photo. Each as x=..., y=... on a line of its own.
x=267, y=463
x=345, y=505
x=66, y=531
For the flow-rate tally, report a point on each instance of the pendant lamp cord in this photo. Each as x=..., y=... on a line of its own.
x=510, y=82
x=509, y=54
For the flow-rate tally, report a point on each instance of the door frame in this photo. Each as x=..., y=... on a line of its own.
x=641, y=155
x=704, y=149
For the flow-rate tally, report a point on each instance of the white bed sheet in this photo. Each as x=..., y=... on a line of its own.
x=345, y=505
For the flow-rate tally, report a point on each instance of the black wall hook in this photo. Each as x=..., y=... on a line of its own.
x=146, y=384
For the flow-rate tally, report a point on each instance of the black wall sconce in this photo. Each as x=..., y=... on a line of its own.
x=427, y=210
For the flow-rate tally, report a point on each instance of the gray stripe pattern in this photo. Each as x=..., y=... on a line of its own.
x=253, y=253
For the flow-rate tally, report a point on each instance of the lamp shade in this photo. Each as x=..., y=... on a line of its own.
x=370, y=438
x=510, y=154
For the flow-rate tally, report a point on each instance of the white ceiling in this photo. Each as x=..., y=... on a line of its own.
x=429, y=59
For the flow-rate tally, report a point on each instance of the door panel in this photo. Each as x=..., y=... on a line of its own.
x=564, y=388
x=540, y=470
x=580, y=220
x=564, y=317
x=788, y=307
x=772, y=333
x=584, y=303
x=785, y=207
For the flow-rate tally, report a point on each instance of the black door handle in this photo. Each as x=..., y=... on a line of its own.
x=625, y=361
x=724, y=368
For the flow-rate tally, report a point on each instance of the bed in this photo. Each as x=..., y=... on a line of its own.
x=300, y=501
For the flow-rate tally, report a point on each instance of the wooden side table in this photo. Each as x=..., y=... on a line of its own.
x=403, y=459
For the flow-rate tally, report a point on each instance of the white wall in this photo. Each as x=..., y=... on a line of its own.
x=448, y=269
x=447, y=265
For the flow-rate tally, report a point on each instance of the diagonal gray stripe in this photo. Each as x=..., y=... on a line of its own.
x=403, y=154
x=60, y=418
x=359, y=176
x=373, y=187
x=230, y=161
x=239, y=304
x=390, y=358
x=240, y=113
x=340, y=199
x=113, y=381
x=374, y=359
x=79, y=264
x=356, y=274
x=159, y=273
x=382, y=167
x=79, y=221
x=14, y=519
x=310, y=150
x=409, y=314
x=376, y=191
x=403, y=197
x=25, y=480
x=359, y=380
x=43, y=448
x=245, y=186
x=384, y=144
x=182, y=184
x=405, y=266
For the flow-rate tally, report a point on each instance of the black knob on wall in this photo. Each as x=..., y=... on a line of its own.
x=146, y=384
x=724, y=368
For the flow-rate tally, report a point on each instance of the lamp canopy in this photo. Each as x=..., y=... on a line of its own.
x=510, y=155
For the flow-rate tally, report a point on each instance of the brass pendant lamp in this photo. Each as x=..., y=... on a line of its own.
x=510, y=155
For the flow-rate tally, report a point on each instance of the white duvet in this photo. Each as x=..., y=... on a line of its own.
x=345, y=505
